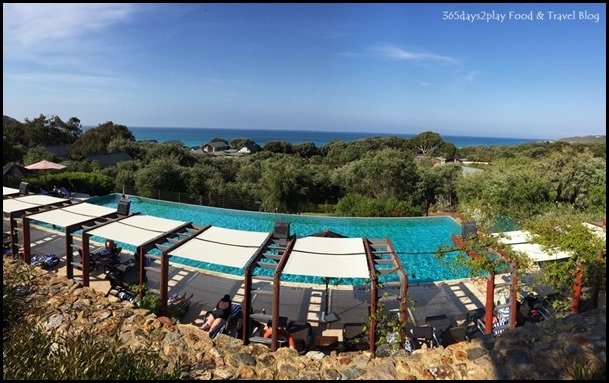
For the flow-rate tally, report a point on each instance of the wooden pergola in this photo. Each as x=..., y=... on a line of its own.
x=73, y=218
x=18, y=207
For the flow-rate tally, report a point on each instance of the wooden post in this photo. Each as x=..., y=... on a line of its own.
x=597, y=282
x=514, y=295
x=490, y=303
x=577, y=290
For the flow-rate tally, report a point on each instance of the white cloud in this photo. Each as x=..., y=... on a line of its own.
x=396, y=53
x=65, y=78
x=467, y=79
x=32, y=25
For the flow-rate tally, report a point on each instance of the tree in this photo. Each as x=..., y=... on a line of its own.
x=96, y=140
x=427, y=143
x=383, y=174
x=238, y=143
x=285, y=185
x=161, y=174
x=38, y=154
x=278, y=147
x=306, y=149
x=429, y=187
x=513, y=188
x=11, y=152
x=562, y=230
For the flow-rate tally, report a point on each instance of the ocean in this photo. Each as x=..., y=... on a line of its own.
x=198, y=136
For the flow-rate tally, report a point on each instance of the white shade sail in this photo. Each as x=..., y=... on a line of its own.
x=30, y=201
x=220, y=246
x=328, y=257
x=137, y=229
x=72, y=215
x=6, y=191
x=520, y=241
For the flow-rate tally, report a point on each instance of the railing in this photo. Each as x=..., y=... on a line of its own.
x=197, y=199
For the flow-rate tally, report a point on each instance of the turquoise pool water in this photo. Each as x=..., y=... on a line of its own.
x=415, y=239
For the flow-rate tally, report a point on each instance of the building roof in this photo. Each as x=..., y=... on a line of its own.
x=60, y=151
x=109, y=159
x=217, y=145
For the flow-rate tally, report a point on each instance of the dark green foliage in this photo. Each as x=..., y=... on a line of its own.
x=520, y=182
x=11, y=151
x=306, y=149
x=33, y=354
x=44, y=131
x=356, y=205
x=37, y=154
x=96, y=140
x=89, y=183
x=278, y=147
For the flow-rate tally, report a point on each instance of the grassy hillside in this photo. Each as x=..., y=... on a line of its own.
x=585, y=139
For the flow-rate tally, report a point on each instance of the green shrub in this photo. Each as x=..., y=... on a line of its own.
x=32, y=353
x=29, y=352
x=89, y=183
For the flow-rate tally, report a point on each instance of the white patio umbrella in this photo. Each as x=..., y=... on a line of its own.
x=45, y=165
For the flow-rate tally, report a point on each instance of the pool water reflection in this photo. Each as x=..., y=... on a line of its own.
x=415, y=239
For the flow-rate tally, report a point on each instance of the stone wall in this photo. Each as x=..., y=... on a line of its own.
x=541, y=351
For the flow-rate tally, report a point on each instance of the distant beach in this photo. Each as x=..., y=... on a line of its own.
x=199, y=136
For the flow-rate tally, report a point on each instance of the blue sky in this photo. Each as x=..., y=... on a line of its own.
x=391, y=68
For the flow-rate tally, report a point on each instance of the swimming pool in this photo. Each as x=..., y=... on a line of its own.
x=415, y=239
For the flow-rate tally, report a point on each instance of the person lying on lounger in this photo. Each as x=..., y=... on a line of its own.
x=179, y=300
x=110, y=246
x=219, y=315
x=281, y=332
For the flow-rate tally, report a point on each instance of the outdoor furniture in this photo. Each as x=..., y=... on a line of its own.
x=326, y=344
x=423, y=335
x=266, y=341
x=232, y=325
x=265, y=318
x=302, y=332
x=454, y=335
x=438, y=322
x=475, y=324
x=354, y=338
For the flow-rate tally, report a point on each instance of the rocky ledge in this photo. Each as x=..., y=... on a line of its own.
x=549, y=350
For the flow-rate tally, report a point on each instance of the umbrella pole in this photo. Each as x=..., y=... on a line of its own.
x=326, y=316
x=327, y=296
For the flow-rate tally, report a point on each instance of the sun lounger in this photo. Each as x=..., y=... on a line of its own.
x=354, y=337
x=232, y=325
x=454, y=335
x=302, y=332
x=423, y=335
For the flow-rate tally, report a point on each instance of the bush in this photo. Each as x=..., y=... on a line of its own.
x=29, y=352
x=89, y=183
x=356, y=205
x=32, y=353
